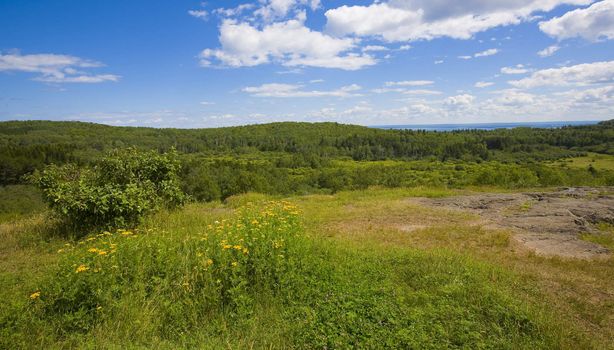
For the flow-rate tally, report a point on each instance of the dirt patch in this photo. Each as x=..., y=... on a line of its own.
x=548, y=223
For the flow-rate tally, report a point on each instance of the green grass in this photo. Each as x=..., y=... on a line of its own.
x=348, y=278
x=19, y=200
x=605, y=237
x=597, y=160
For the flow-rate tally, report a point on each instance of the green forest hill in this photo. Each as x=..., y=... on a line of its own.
x=307, y=157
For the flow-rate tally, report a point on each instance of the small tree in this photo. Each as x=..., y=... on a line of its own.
x=116, y=192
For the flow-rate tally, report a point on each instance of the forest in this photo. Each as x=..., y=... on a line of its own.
x=299, y=158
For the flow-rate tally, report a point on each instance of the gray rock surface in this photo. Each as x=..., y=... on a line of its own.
x=548, y=223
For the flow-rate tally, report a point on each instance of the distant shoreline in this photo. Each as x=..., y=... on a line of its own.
x=485, y=126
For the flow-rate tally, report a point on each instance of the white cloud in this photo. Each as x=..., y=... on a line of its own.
x=405, y=20
x=462, y=100
x=231, y=12
x=602, y=95
x=438, y=62
x=89, y=79
x=54, y=68
x=549, y=51
x=273, y=9
x=374, y=48
x=513, y=98
x=386, y=90
x=207, y=103
x=518, y=69
x=292, y=90
x=290, y=43
x=351, y=61
x=485, y=53
x=483, y=84
x=202, y=14
x=404, y=47
x=409, y=83
x=421, y=92
x=313, y=81
x=581, y=74
x=593, y=23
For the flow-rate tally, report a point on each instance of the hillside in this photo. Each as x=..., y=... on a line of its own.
x=28, y=145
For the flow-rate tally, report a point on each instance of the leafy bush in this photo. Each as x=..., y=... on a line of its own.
x=116, y=192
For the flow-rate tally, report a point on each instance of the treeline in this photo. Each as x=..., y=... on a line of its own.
x=215, y=179
x=28, y=145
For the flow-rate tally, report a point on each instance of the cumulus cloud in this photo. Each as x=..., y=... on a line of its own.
x=410, y=20
x=54, y=68
x=293, y=90
x=517, y=69
x=593, y=23
x=290, y=43
x=581, y=74
x=602, y=95
x=513, y=98
x=549, y=51
x=462, y=100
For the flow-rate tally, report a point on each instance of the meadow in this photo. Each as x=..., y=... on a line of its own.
x=314, y=271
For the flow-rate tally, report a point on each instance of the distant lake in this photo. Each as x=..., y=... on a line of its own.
x=485, y=126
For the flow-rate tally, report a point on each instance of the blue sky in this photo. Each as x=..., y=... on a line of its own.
x=217, y=63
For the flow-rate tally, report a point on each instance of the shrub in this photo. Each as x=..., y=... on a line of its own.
x=116, y=192
x=221, y=269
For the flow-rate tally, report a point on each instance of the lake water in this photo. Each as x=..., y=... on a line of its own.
x=485, y=126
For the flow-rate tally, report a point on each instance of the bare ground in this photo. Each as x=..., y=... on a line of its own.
x=547, y=223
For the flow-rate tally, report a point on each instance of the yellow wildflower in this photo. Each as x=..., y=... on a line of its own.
x=126, y=233
x=234, y=264
x=209, y=262
x=226, y=246
x=35, y=295
x=102, y=252
x=93, y=250
x=82, y=268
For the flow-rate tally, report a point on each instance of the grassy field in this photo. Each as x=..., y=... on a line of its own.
x=365, y=269
x=598, y=161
